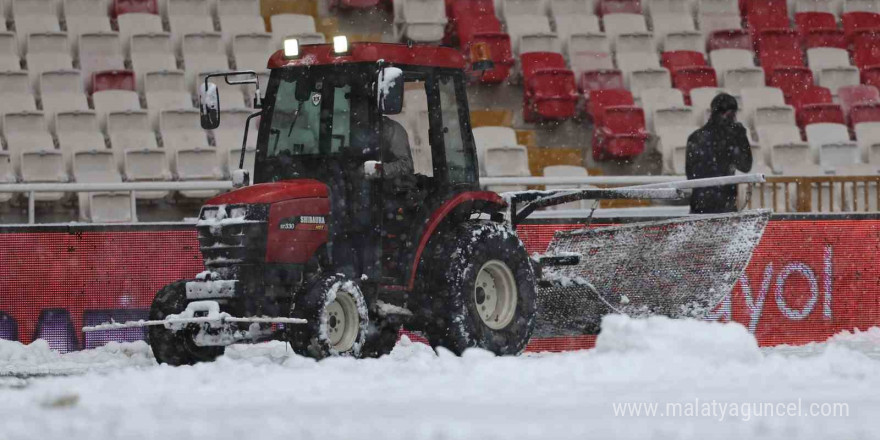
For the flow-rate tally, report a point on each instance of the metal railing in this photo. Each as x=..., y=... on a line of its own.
x=816, y=194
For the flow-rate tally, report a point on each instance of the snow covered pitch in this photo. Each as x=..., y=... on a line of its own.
x=692, y=373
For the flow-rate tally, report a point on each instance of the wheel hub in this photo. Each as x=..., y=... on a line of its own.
x=342, y=322
x=495, y=294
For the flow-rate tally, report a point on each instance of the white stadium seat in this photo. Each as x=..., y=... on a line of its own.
x=757, y=98
x=831, y=144
x=228, y=137
x=78, y=131
x=831, y=68
x=33, y=152
x=573, y=16
x=203, y=53
x=151, y=53
x=672, y=145
x=33, y=16
x=166, y=90
x=520, y=8
x=107, y=101
x=568, y=171
x=542, y=42
x=48, y=51
x=673, y=23
x=62, y=90
x=99, y=52
x=284, y=25
x=868, y=138
x=251, y=51
x=101, y=207
x=15, y=93
x=188, y=17
x=524, y=25
x=192, y=158
x=237, y=8
x=84, y=16
x=588, y=52
x=635, y=42
x=783, y=148
x=701, y=100
x=653, y=99
x=9, y=59
x=134, y=145
x=137, y=23
x=419, y=20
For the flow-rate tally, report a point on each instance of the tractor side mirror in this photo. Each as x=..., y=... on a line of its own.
x=390, y=91
x=240, y=178
x=209, y=105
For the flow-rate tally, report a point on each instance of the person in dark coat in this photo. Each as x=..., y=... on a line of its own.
x=717, y=149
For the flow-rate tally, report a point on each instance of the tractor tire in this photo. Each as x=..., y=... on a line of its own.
x=478, y=290
x=381, y=338
x=176, y=347
x=336, y=311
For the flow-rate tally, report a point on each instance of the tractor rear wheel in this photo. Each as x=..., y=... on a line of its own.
x=480, y=290
x=336, y=311
x=176, y=347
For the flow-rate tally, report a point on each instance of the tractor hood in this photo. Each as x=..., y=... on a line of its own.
x=268, y=193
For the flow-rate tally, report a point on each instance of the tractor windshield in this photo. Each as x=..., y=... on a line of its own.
x=330, y=122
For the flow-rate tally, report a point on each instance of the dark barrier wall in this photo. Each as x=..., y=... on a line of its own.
x=808, y=279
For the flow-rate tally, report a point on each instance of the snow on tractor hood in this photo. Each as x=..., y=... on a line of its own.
x=267, y=193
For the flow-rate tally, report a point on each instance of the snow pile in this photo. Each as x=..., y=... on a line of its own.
x=37, y=358
x=659, y=335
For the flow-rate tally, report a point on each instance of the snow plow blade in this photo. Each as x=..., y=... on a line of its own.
x=681, y=267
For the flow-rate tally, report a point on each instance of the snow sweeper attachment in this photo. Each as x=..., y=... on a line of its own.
x=680, y=267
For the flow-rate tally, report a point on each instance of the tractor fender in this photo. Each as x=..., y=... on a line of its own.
x=471, y=201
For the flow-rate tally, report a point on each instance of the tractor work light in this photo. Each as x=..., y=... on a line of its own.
x=291, y=48
x=481, y=57
x=340, y=44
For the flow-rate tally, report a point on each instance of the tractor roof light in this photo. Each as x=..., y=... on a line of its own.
x=291, y=48
x=340, y=44
x=481, y=56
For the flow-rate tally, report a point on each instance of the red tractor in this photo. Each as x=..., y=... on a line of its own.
x=365, y=213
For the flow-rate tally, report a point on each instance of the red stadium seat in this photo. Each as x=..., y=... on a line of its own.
x=729, y=39
x=469, y=17
x=817, y=113
x=813, y=20
x=600, y=80
x=791, y=80
x=772, y=60
x=618, y=7
x=622, y=134
x=550, y=91
x=502, y=56
x=766, y=14
x=866, y=49
x=825, y=38
x=688, y=78
x=775, y=40
x=599, y=100
x=869, y=112
x=812, y=95
x=851, y=96
x=871, y=76
x=854, y=22
x=682, y=58
x=129, y=6
x=113, y=80
x=357, y=4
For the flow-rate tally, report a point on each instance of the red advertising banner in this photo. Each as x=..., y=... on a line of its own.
x=807, y=280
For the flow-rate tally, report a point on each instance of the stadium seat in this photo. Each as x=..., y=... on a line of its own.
x=653, y=100
x=237, y=8
x=33, y=16
x=832, y=68
x=854, y=22
x=150, y=53
x=825, y=38
x=468, y=18
x=648, y=78
x=701, y=99
x=137, y=154
x=739, y=65
x=519, y=25
x=188, y=17
x=687, y=78
x=868, y=140
x=622, y=134
x=506, y=161
x=774, y=115
x=866, y=50
x=619, y=23
x=192, y=158
x=813, y=20
x=571, y=17
x=672, y=145
x=674, y=116
x=9, y=59
x=137, y=23
x=251, y=51
x=776, y=40
x=734, y=80
x=114, y=80
x=61, y=90
x=785, y=151
x=854, y=96
x=812, y=95
x=678, y=59
x=203, y=53
x=692, y=41
x=864, y=113
x=635, y=42
x=660, y=7
x=121, y=7
x=589, y=52
x=860, y=6
x=672, y=23
x=599, y=80
x=166, y=90
x=284, y=25
x=95, y=166
x=228, y=137
x=33, y=152
x=762, y=15
x=599, y=100
x=84, y=16
x=419, y=20
x=47, y=51
x=729, y=39
x=520, y=8
x=819, y=114
x=755, y=99
x=78, y=131
x=15, y=93
x=568, y=171
x=233, y=25
x=99, y=52
x=630, y=62
x=550, y=90
x=608, y=7
x=791, y=80
x=829, y=6
x=114, y=91
x=831, y=144
x=718, y=15
x=7, y=175
x=539, y=43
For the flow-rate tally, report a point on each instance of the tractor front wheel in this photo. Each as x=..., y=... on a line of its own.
x=176, y=347
x=480, y=290
x=336, y=311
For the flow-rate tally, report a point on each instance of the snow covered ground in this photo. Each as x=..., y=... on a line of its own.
x=265, y=391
